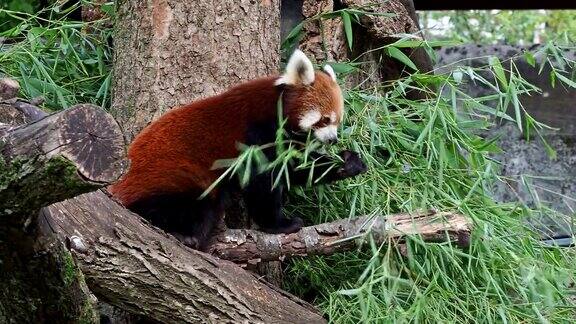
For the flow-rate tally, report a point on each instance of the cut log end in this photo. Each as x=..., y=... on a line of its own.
x=93, y=142
x=58, y=157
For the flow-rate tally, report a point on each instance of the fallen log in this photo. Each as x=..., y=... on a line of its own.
x=46, y=161
x=134, y=266
x=250, y=246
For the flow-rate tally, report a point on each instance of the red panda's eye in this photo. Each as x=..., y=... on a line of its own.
x=323, y=121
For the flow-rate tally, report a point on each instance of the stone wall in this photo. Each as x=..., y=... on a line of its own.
x=552, y=182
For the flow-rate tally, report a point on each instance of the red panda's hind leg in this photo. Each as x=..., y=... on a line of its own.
x=190, y=220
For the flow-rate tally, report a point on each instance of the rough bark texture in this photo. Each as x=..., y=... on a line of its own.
x=249, y=246
x=323, y=39
x=168, y=52
x=136, y=267
x=45, y=161
x=41, y=282
x=17, y=111
x=8, y=88
x=377, y=31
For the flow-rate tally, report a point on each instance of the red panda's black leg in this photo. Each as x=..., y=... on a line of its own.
x=209, y=212
x=264, y=206
x=190, y=220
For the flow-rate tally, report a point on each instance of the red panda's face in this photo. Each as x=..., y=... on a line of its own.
x=312, y=99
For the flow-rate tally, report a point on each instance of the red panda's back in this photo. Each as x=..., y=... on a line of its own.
x=175, y=153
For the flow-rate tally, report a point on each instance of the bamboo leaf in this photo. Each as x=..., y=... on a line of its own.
x=348, y=28
x=400, y=56
x=499, y=71
x=564, y=79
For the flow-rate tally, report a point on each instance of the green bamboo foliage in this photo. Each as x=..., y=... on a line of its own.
x=437, y=160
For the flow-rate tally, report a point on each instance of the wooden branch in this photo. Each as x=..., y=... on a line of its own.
x=125, y=259
x=8, y=88
x=250, y=246
x=136, y=267
x=58, y=157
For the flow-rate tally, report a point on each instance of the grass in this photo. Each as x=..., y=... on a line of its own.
x=437, y=161
x=65, y=61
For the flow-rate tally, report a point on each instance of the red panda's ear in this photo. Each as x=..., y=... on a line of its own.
x=299, y=70
x=330, y=71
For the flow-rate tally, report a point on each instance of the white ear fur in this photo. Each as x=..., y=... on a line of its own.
x=298, y=71
x=328, y=69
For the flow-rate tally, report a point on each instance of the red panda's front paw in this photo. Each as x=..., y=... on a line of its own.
x=293, y=225
x=353, y=165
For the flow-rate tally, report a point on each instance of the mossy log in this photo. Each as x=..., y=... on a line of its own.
x=48, y=160
x=58, y=157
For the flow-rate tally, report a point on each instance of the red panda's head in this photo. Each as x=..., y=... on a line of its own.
x=312, y=99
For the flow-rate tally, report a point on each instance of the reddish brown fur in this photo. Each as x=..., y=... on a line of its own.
x=176, y=153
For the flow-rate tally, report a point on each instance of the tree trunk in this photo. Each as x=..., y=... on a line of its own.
x=326, y=40
x=169, y=53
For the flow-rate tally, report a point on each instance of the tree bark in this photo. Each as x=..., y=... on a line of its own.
x=326, y=40
x=8, y=88
x=249, y=246
x=136, y=267
x=169, y=53
x=125, y=260
x=45, y=161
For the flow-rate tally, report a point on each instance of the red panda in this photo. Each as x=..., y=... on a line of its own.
x=172, y=158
